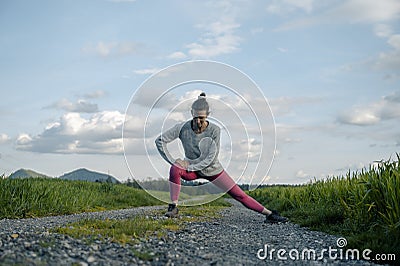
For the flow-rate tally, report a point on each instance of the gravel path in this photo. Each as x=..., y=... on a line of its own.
x=234, y=239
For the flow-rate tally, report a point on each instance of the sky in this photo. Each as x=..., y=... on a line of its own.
x=329, y=70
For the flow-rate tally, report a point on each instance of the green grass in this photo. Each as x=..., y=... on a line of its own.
x=133, y=229
x=362, y=206
x=121, y=231
x=128, y=230
x=37, y=197
x=146, y=256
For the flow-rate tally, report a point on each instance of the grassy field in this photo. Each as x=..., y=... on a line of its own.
x=363, y=207
x=36, y=197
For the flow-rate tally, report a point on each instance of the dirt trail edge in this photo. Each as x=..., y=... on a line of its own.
x=239, y=237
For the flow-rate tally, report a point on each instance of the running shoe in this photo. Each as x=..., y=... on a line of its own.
x=274, y=218
x=172, y=210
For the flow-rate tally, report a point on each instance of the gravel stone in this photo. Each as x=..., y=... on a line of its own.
x=233, y=239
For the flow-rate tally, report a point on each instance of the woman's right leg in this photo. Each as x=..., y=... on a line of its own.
x=175, y=174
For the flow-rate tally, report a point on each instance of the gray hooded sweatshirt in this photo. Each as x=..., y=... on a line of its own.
x=201, y=150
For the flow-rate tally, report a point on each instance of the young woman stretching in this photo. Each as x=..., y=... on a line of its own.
x=200, y=140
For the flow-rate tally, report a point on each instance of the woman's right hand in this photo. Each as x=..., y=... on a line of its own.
x=182, y=163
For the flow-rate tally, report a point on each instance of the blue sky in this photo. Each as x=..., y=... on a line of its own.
x=329, y=69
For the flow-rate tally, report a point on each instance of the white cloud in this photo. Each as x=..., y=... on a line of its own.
x=177, y=117
x=369, y=11
x=4, y=138
x=135, y=146
x=390, y=60
x=81, y=106
x=218, y=25
x=306, y=5
x=125, y=48
x=283, y=7
x=172, y=108
x=95, y=94
x=291, y=140
x=360, y=117
x=107, y=49
x=146, y=71
x=386, y=108
x=351, y=167
x=229, y=110
x=394, y=41
x=101, y=133
x=351, y=11
x=24, y=139
x=133, y=127
x=282, y=50
x=177, y=55
x=382, y=30
x=285, y=105
x=301, y=174
x=101, y=48
x=146, y=98
x=218, y=38
x=395, y=97
x=245, y=149
x=287, y=134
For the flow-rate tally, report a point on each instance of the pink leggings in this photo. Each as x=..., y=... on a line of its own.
x=222, y=180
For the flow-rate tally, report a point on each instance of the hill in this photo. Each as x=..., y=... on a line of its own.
x=86, y=175
x=26, y=173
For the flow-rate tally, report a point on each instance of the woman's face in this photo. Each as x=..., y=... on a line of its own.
x=200, y=119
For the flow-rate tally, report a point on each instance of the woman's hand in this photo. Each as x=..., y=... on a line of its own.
x=182, y=163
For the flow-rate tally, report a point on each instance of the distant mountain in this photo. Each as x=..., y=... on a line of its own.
x=26, y=173
x=86, y=175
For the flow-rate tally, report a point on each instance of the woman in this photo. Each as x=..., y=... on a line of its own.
x=200, y=140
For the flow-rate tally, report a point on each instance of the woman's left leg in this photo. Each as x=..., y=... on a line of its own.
x=226, y=183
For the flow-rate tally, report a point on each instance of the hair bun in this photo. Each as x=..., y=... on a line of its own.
x=201, y=103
